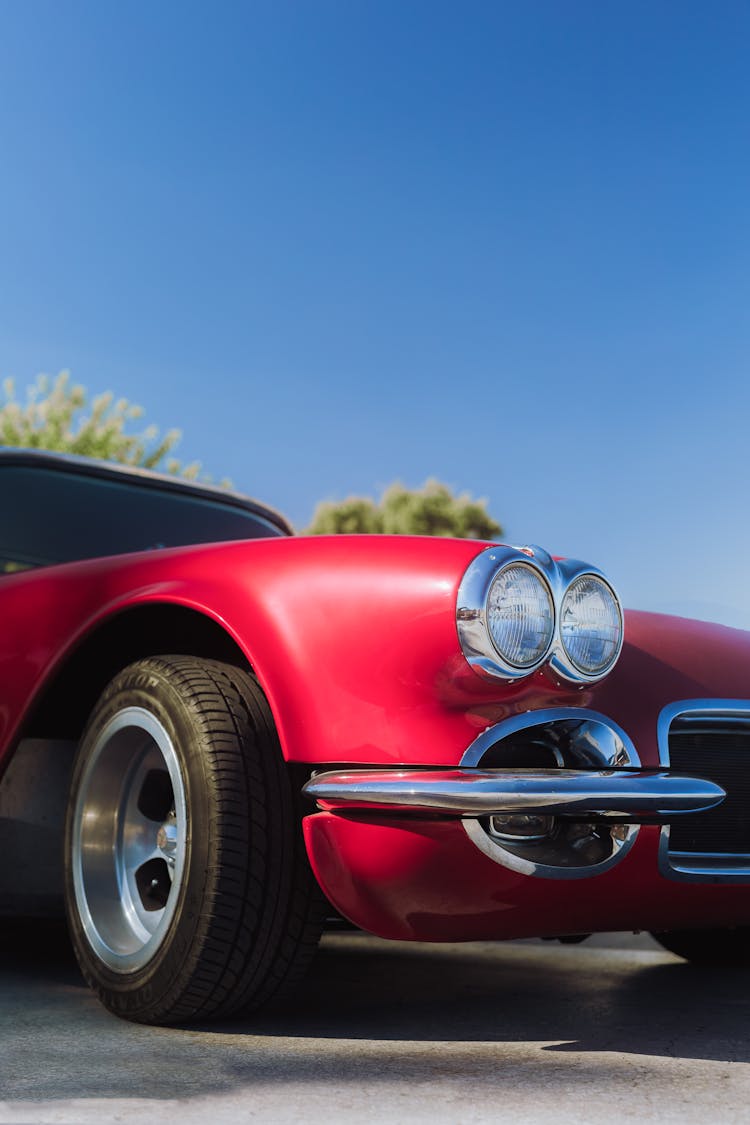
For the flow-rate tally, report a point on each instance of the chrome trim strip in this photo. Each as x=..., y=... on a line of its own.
x=730, y=708
x=710, y=856
x=700, y=867
x=611, y=794
x=606, y=742
x=471, y=613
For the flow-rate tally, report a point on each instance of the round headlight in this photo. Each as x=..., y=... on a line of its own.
x=591, y=625
x=520, y=615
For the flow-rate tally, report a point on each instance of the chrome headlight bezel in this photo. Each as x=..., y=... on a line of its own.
x=472, y=621
x=472, y=613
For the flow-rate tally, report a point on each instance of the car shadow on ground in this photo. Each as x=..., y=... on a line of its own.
x=370, y=1010
x=574, y=998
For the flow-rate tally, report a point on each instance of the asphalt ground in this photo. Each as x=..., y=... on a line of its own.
x=612, y=1029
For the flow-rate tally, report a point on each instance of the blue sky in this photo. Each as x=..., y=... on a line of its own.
x=338, y=244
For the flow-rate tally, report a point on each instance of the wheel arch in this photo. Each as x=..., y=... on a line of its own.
x=62, y=707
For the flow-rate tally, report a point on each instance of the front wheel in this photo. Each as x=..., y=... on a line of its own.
x=188, y=890
x=717, y=947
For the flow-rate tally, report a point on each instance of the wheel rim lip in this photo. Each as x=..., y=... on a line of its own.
x=117, y=930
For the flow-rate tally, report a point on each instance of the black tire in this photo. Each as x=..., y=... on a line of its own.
x=188, y=890
x=721, y=948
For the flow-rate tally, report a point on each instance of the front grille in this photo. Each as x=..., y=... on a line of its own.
x=715, y=746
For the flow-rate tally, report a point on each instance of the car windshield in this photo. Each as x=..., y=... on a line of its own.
x=52, y=515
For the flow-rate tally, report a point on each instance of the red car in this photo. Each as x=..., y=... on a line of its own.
x=214, y=736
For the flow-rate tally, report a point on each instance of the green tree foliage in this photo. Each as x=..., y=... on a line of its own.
x=430, y=510
x=57, y=415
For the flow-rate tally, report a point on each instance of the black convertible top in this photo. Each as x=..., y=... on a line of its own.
x=107, y=470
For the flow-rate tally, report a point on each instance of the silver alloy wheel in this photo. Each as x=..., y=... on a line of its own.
x=129, y=840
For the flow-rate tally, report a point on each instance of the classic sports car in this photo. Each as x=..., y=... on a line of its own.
x=215, y=735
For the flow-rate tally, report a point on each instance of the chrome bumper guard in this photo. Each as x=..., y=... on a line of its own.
x=631, y=796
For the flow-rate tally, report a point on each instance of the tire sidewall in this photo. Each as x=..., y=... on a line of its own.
x=141, y=993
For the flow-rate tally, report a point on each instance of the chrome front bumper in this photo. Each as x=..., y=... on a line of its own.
x=631, y=796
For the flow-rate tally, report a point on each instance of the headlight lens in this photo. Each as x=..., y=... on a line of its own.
x=590, y=625
x=520, y=615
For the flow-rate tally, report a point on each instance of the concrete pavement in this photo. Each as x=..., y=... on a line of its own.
x=530, y=1031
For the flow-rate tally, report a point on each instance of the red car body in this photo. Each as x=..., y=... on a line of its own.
x=353, y=641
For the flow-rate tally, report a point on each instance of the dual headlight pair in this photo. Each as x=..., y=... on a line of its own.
x=518, y=609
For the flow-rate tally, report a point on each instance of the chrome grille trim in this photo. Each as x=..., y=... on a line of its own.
x=716, y=715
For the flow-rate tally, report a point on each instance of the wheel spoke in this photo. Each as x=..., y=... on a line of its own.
x=138, y=842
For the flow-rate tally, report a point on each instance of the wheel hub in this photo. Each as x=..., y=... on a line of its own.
x=167, y=839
